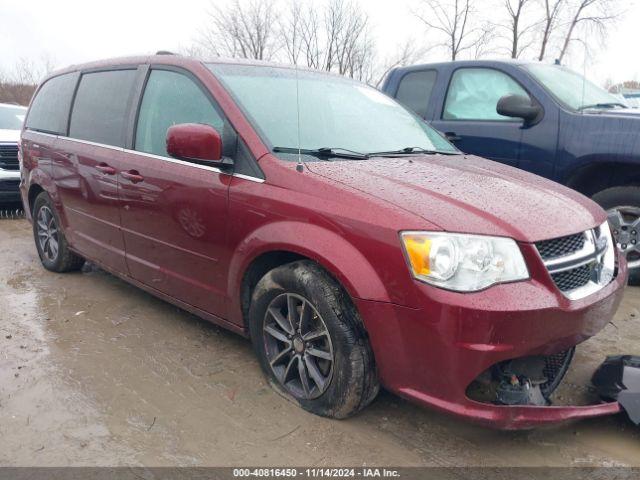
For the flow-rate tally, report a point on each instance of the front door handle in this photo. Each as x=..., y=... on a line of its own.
x=452, y=137
x=106, y=169
x=133, y=176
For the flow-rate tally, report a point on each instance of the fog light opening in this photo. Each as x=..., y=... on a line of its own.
x=521, y=381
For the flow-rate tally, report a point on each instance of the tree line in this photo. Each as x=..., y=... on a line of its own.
x=337, y=35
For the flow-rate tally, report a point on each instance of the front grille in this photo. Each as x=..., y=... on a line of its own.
x=576, y=263
x=9, y=185
x=559, y=247
x=9, y=157
x=555, y=367
x=575, y=278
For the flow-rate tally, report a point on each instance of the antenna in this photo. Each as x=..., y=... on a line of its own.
x=300, y=165
x=584, y=69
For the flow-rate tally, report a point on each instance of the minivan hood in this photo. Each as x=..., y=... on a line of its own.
x=469, y=194
x=9, y=135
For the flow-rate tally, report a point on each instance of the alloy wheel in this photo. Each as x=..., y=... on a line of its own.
x=298, y=346
x=48, y=234
x=625, y=225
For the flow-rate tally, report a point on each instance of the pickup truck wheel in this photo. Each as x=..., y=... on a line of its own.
x=51, y=243
x=623, y=207
x=310, y=341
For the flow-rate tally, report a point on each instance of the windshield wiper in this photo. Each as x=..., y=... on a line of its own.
x=603, y=105
x=324, y=152
x=410, y=151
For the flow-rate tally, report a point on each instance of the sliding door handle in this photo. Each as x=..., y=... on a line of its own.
x=133, y=176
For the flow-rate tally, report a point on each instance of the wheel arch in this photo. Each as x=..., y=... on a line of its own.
x=602, y=174
x=40, y=181
x=34, y=190
x=339, y=258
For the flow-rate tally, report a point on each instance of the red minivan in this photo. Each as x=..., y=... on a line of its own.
x=350, y=241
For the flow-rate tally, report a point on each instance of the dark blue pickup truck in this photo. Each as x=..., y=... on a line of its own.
x=542, y=118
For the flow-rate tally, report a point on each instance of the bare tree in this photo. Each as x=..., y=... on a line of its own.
x=28, y=71
x=593, y=14
x=335, y=38
x=454, y=20
x=244, y=28
x=552, y=11
x=520, y=34
x=18, y=85
x=407, y=53
x=312, y=43
x=291, y=32
x=349, y=43
x=194, y=50
x=485, y=43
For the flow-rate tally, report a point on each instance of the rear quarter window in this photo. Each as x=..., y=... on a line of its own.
x=49, y=110
x=101, y=105
x=414, y=90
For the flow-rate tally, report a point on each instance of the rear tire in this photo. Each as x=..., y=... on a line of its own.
x=625, y=200
x=324, y=334
x=51, y=243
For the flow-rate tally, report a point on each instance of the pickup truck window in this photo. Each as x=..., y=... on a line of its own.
x=415, y=90
x=571, y=89
x=474, y=93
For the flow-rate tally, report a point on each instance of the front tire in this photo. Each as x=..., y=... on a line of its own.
x=51, y=243
x=310, y=341
x=623, y=207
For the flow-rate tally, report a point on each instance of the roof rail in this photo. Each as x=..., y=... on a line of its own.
x=164, y=52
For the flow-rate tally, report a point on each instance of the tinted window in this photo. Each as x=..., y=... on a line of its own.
x=100, y=107
x=415, y=89
x=49, y=110
x=474, y=94
x=171, y=98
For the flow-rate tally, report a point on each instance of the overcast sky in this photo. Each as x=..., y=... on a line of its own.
x=73, y=31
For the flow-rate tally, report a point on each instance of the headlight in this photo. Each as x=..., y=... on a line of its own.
x=605, y=243
x=464, y=263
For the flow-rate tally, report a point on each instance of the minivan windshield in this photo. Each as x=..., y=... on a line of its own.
x=11, y=117
x=335, y=114
x=572, y=89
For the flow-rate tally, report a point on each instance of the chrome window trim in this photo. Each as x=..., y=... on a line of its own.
x=44, y=134
x=249, y=177
x=151, y=155
x=175, y=160
x=93, y=144
x=191, y=164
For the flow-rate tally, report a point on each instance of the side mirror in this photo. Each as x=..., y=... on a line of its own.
x=196, y=142
x=519, y=106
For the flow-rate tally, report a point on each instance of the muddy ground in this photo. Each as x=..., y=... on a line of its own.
x=96, y=372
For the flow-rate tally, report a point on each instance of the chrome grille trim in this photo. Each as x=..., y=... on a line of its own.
x=9, y=156
x=569, y=272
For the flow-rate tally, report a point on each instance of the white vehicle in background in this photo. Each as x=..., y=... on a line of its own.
x=11, y=119
x=632, y=99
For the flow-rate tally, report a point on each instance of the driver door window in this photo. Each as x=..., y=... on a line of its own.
x=474, y=94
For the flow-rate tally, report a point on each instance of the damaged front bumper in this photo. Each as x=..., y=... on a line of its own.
x=618, y=378
x=432, y=354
